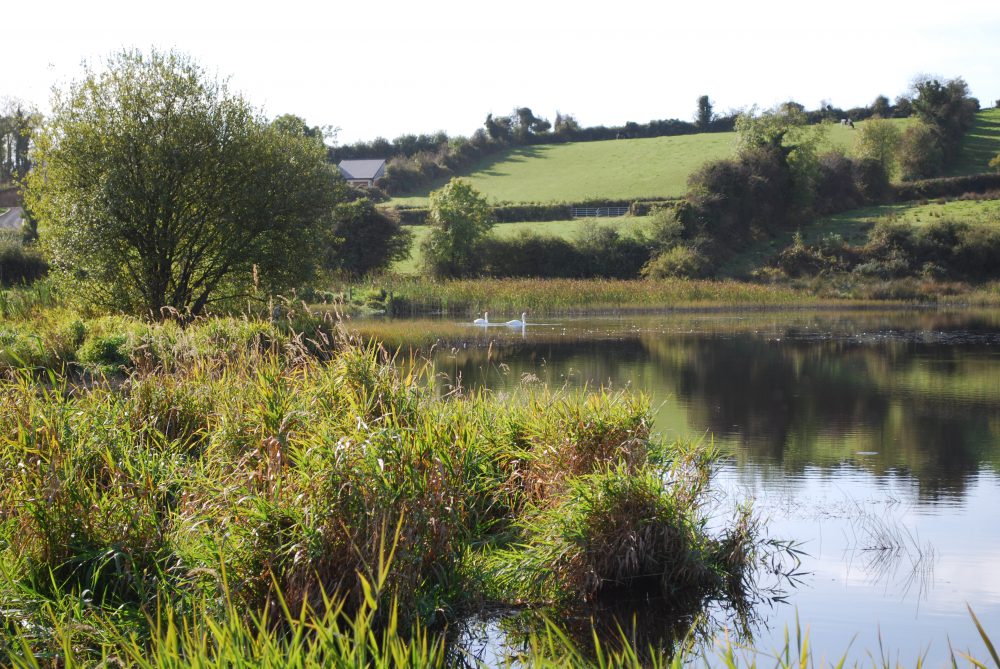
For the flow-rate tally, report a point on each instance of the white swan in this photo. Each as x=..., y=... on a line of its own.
x=483, y=321
x=518, y=323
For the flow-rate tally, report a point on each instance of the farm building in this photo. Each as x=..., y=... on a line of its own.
x=362, y=172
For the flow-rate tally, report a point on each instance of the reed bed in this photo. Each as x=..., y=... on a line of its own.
x=282, y=486
x=464, y=297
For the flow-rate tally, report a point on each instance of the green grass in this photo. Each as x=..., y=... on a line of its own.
x=615, y=169
x=980, y=145
x=539, y=296
x=565, y=229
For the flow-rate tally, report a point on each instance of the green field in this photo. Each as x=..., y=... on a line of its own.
x=614, y=169
x=979, y=145
x=566, y=229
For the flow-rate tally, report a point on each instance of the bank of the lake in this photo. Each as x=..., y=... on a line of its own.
x=408, y=296
x=233, y=482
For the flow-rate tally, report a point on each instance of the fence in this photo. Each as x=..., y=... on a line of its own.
x=584, y=212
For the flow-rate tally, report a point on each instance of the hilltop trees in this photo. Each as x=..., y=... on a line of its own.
x=157, y=187
x=946, y=112
x=704, y=115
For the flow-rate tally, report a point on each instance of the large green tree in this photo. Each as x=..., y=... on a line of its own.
x=158, y=187
x=461, y=218
x=365, y=239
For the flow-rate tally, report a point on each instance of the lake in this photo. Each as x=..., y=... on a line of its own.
x=870, y=438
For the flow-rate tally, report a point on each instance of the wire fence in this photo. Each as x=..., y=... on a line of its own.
x=585, y=212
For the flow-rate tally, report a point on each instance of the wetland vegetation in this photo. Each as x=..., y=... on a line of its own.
x=233, y=483
x=198, y=472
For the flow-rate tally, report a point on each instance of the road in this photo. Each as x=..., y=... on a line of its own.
x=11, y=220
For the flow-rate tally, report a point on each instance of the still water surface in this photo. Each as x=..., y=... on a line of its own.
x=871, y=438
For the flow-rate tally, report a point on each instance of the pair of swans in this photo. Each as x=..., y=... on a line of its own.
x=485, y=320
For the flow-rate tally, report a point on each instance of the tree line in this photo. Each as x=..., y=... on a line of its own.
x=17, y=122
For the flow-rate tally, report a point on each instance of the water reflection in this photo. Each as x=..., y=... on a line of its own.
x=873, y=438
x=870, y=390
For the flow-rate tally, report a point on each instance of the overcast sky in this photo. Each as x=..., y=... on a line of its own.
x=387, y=67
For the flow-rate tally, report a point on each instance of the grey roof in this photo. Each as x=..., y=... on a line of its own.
x=362, y=169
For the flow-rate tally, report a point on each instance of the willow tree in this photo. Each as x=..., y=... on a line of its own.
x=157, y=187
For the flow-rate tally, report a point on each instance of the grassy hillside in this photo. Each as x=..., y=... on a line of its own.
x=615, y=169
x=979, y=145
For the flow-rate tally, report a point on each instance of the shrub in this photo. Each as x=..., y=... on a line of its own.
x=730, y=199
x=836, y=187
x=365, y=239
x=680, y=261
x=107, y=352
x=664, y=230
x=801, y=260
x=607, y=253
x=921, y=154
x=531, y=255
x=621, y=529
x=599, y=251
x=871, y=180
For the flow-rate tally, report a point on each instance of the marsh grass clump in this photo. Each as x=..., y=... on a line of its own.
x=627, y=529
x=222, y=470
x=575, y=436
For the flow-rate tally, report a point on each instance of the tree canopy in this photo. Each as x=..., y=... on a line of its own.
x=157, y=187
x=365, y=239
x=461, y=218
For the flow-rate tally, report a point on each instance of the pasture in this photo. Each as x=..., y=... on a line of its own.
x=623, y=169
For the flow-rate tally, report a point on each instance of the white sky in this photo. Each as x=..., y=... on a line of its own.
x=386, y=67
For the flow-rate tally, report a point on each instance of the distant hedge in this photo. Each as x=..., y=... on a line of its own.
x=946, y=187
x=599, y=252
x=539, y=212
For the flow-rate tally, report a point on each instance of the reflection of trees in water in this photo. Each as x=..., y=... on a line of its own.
x=928, y=410
x=620, y=364
x=777, y=398
x=822, y=402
